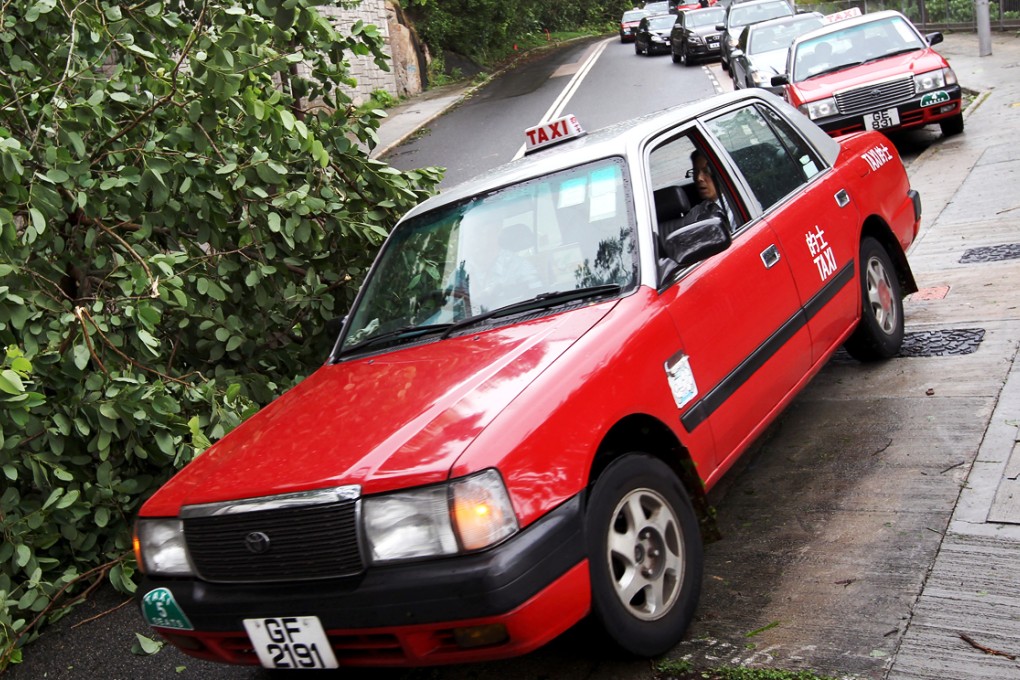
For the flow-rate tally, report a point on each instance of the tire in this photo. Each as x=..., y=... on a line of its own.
x=676, y=57
x=725, y=64
x=952, y=126
x=643, y=540
x=687, y=57
x=879, y=333
x=637, y=48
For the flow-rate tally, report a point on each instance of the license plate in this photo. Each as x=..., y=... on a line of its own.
x=290, y=642
x=881, y=119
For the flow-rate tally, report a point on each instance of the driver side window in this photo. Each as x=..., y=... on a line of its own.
x=774, y=165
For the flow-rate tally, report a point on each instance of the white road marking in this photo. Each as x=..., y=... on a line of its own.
x=556, y=110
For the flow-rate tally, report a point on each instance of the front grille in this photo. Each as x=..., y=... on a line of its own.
x=875, y=96
x=296, y=543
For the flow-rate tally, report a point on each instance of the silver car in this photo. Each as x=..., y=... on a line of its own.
x=762, y=47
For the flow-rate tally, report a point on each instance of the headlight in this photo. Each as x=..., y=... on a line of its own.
x=694, y=39
x=934, y=80
x=465, y=515
x=160, y=548
x=658, y=38
x=820, y=109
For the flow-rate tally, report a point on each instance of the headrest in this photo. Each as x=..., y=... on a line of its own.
x=671, y=203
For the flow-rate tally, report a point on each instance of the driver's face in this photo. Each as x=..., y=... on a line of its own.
x=703, y=180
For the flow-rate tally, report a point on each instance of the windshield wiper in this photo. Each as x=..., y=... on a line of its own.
x=405, y=332
x=833, y=69
x=540, y=301
x=890, y=54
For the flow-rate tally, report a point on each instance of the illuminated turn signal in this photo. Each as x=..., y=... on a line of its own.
x=482, y=513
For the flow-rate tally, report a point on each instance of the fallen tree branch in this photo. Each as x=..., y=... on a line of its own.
x=987, y=650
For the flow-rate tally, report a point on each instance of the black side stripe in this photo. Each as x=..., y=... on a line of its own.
x=717, y=396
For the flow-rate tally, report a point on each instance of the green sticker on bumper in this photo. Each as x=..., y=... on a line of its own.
x=161, y=609
x=933, y=98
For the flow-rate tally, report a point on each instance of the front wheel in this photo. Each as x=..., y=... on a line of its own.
x=952, y=126
x=879, y=333
x=644, y=553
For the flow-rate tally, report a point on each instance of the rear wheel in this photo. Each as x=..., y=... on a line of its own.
x=644, y=553
x=952, y=126
x=879, y=333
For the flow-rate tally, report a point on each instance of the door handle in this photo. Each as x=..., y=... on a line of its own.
x=770, y=256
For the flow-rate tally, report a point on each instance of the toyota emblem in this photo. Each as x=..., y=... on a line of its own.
x=257, y=542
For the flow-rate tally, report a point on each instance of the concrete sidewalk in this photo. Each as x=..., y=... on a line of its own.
x=966, y=621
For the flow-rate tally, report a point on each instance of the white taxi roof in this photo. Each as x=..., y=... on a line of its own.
x=837, y=26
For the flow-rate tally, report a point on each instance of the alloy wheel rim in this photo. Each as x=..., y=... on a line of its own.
x=645, y=554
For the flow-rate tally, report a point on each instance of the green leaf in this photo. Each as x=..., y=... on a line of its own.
x=81, y=356
x=146, y=646
x=69, y=499
x=21, y=555
x=38, y=220
x=10, y=382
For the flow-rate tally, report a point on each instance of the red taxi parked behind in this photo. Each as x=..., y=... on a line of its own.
x=872, y=72
x=542, y=375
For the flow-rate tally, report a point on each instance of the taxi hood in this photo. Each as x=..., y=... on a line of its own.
x=383, y=421
x=900, y=65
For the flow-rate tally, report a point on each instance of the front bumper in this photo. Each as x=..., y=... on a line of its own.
x=536, y=584
x=704, y=49
x=911, y=115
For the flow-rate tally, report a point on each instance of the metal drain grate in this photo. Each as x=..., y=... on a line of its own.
x=1004, y=251
x=942, y=343
x=937, y=343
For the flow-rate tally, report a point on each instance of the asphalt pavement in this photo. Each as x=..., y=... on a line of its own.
x=962, y=620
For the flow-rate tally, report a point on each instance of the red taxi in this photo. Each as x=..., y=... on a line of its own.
x=872, y=72
x=629, y=23
x=543, y=373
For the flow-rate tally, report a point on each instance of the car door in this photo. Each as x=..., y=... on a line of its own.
x=807, y=208
x=732, y=313
x=738, y=61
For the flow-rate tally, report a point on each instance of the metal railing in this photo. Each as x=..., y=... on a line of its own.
x=931, y=14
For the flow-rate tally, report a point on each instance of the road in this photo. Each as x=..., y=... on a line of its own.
x=827, y=528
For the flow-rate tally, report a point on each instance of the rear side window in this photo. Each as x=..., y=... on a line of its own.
x=773, y=159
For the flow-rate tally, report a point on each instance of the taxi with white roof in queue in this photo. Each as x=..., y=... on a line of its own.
x=872, y=71
x=543, y=373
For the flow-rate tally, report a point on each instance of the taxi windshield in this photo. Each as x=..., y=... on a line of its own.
x=563, y=232
x=854, y=45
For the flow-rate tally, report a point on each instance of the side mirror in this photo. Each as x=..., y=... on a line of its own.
x=934, y=38
x=736, y=54
x=698, y=241
x=720, y=27
x=780, y=80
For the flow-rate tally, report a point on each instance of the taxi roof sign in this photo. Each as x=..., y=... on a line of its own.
x=552, y=132
x=840, y=16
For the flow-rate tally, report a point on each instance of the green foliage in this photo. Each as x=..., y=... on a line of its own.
x=485, y=29
x=185, y=200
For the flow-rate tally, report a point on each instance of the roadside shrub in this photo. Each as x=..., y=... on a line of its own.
x=186, y=199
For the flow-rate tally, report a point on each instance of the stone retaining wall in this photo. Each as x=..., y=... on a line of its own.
x=405, y=76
